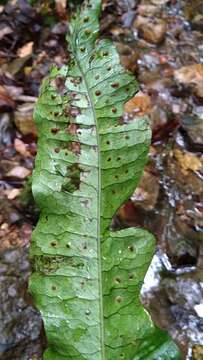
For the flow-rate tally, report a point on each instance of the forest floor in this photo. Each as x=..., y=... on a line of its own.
x=161, y=42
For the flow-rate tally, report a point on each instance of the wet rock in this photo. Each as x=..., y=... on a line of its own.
x=191, y=75
x=174, y=297
x=192, y=131
x=20, y=322
x=146, y=194
x=152, y=31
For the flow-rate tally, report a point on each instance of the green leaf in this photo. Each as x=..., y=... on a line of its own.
x=87, y=278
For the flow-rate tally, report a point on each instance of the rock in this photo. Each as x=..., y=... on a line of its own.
x=192, y=131
x=191, y=75
x=24, y=119
x=152, y=31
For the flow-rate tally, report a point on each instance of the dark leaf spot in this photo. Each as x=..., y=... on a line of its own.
x=114, y=110
x=57, y=150
x=54, y=130
x=109, y=159
x=118, y=158
x=118, y=280
x=87, y=31
x=86, y=19
x=53, y=288
x=109, y=68
x=53, y=243
x=115, y=85
x=105, y=53
x=82, y=49
x=98, y=92
x=127, y=137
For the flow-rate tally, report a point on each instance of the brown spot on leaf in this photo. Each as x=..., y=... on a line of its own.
x=74, y=146
x=72, y=129
x=115, y=85
x=55, y=130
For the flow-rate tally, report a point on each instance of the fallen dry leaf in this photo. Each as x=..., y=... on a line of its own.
x=25, y=50
x=24, y=119
x=5, y=30
x=12, y=194
x=19, y=172
x=188, y=161
x=139, y=104
x=21, y=148
x=189, y=74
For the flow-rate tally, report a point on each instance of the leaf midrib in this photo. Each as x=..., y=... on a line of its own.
x=98, y=212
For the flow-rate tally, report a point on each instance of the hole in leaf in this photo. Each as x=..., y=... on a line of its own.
x=108, y=142
x=68, y=246
x=114, y=110
x=53, y=243
x=85, y=246
x=53, y=287
x=131, y=276
x=109, y=159
x=131, y=248
x=119, y=299
x=105, y=53
x=98, y=93
x=87, y=312
x=113, y=191
x=109, y=68
x=57, y=150
x=118, y=158
x=126, y=172
x=56, y=113
x=116, y=177
x=118, y=280
x=82, y=49
x=86, y=19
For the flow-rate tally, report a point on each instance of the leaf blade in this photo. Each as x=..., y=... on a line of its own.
x=88, y=164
